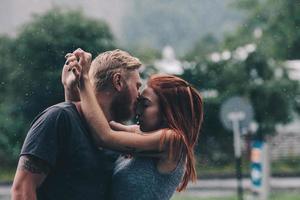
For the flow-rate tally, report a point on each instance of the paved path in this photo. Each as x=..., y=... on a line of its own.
x=229, y=184
x=4, y=192
x=227, y=187
x=211, y=187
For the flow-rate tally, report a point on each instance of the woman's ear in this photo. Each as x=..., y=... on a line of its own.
x=117, y=82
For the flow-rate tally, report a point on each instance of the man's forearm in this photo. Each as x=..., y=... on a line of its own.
x=30, y=174
x=23, y=193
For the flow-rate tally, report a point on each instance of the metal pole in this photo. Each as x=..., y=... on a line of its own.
x=266, y=172
x=238, y=160
x=238, y=168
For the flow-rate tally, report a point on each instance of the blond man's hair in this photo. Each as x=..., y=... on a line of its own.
x=106, y=64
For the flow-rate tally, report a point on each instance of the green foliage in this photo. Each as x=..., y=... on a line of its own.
x=280, y=25
x=32, y=64
x=272, y=96
x=146, y=54
x=12, y=129
x=5, y=57
x=273, y=28
x=39, y=55
x=289, y=165
x=7, y=175
x=203, y=47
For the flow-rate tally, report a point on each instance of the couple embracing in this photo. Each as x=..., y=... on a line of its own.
x=70, y=151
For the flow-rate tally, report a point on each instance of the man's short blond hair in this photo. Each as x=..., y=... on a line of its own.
x=106, y=64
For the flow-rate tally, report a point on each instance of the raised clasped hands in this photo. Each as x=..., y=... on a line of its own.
x=76, y=67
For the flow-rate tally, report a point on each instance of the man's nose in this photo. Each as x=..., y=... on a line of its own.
x=138, y=111
x=139, y=108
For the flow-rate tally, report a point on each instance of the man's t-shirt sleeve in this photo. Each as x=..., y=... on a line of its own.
x=44, y=138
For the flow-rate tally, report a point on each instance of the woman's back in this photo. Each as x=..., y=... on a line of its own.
x=138, y=178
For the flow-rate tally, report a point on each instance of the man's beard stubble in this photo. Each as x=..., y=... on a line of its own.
x=121, y=106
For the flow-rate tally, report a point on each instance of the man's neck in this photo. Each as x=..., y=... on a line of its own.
x=104, y=103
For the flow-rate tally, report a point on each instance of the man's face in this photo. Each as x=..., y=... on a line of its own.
x=123, y=104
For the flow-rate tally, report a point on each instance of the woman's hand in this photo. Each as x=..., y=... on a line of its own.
x=70, y=78
x=127, y=128
x=135, y=129
x=85, y=60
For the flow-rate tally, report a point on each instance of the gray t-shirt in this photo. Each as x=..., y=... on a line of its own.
x=139, y=179
x=79, y=170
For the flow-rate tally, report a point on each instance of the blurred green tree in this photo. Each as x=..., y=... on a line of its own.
x=264, y=83
x=7, y=142
x=274, y=23
x=39, y=55
x=253, y=67
x=36, y=57
x=202, y=48
x=5, y=57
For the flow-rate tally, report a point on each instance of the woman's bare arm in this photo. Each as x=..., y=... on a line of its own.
x=127, y=128
x=117, y=140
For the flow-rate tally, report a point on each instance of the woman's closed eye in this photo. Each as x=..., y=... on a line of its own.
x=146, y=103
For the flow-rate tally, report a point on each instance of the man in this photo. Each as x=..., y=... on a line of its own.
x=58, y=159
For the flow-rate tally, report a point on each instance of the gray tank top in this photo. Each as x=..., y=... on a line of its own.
x=139, y=179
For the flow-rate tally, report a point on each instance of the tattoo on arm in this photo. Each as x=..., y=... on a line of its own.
x=33, y=165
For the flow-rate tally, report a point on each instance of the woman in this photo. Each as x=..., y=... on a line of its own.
x=170, y=116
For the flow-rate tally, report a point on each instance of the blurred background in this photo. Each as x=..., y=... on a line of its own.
x=225, y=48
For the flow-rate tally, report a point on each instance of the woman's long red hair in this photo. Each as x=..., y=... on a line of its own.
x=181, y=106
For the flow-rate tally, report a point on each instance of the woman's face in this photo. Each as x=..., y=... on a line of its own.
x=149, y=112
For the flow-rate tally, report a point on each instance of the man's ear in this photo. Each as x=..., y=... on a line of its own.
x=117, y=82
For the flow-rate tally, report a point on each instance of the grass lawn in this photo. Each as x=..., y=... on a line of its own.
x=288, y=166
x=7, y=174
